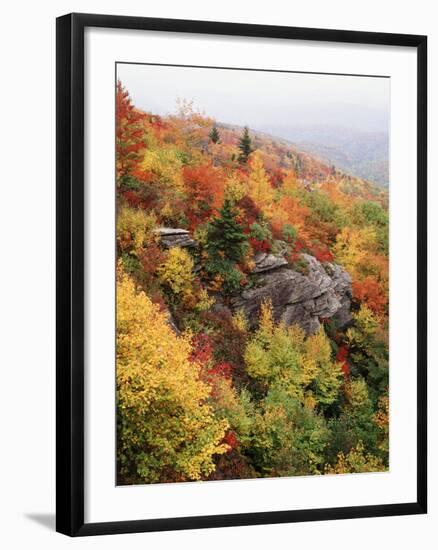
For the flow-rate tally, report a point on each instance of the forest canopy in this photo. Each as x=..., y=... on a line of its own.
x=206, y=391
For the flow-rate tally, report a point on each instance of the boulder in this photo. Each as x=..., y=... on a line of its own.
x=323, y=292
x=267, y=262
x=171, y=237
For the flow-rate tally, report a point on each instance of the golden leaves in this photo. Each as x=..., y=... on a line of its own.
x=164, y=421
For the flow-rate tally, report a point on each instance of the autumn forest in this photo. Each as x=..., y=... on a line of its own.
x=252, y=305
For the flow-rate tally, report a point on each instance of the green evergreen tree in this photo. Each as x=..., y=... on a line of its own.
x=226, y=238
x=214, y=135
x=245, y=145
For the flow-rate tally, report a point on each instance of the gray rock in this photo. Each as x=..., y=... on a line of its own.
x=324, y=292
x=171, y=237
x=267, y=262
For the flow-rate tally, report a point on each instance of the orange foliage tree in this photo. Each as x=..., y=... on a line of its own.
x=204, y=186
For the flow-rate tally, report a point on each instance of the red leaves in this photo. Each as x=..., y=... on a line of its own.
x=277, y=177
x=231, y=440
x=202, y=349
x=203, y=354
x=135, y=200
x=322, y=254
x=132, y=198
x=342, y=358
x=259, y=246
x=295, y=254
x=223, y=369
x=212, y=372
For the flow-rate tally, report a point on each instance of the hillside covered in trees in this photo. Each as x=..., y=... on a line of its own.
x=252, y=306
x=364, y=154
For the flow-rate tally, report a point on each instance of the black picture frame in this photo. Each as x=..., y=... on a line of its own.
x=70, y=273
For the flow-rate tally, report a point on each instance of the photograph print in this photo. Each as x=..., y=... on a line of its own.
x=252, y=239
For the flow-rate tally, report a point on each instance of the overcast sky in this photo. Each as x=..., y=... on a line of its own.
x=261, y=99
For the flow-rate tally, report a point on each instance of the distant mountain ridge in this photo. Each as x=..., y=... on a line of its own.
x=361, y=154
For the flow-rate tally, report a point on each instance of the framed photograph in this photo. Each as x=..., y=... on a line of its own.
x=241, y=274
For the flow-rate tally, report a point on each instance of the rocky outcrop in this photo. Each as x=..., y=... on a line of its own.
x=267, y=262
x=303, y=298
x=322, y=291
x=171, y=237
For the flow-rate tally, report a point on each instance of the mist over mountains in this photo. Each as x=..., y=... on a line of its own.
x=364, y=154
x=342, y=120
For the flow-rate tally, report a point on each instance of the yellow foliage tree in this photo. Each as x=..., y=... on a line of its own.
x=134, y=228
x=327, y=374
x=259, y=187
x=366, y=326
x=354, y=246
x=177, y=274
x=235, y=188
x=165, y=164
x=177, y=271
x=166, y=429
x=290, y=184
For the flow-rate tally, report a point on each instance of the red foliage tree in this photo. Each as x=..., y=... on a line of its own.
x=231, y=440
x=342, y=358
x=144, y=200
x=276, y=178
x=322, y=254
x=223, y=369
x=259, y=246
x=202, y=349
x=129, y=133
x=298, y=248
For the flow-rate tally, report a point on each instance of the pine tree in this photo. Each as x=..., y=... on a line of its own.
x=245, y=146
x=214, y=135
x=226, y=238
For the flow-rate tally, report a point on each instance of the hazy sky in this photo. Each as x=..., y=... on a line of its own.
x=263, y=100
